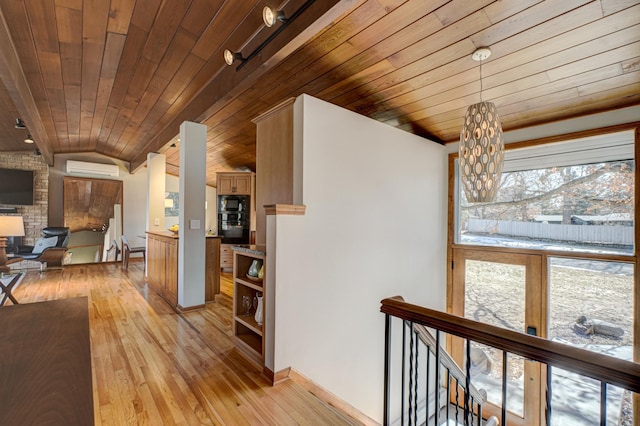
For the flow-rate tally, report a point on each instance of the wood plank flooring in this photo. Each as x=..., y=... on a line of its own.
x=152, y=366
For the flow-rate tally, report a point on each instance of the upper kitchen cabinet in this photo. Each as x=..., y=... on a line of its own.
x=234, y=184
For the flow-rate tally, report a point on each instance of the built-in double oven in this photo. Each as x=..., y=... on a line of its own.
x=234, y=218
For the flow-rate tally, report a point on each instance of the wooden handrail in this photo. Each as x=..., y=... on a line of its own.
x=618, y=372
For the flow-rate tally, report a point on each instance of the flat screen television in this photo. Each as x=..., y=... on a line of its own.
x=16, y=187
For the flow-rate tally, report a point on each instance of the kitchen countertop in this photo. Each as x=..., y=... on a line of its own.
x=258, y=250
x=170, y=234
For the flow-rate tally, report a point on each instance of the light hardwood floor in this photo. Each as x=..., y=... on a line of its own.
x=152, y=366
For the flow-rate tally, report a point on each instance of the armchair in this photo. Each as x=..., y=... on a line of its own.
x=48, y=251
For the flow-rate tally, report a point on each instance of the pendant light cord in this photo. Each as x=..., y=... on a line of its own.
x=480, y=79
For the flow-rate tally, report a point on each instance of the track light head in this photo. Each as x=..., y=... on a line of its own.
x=20, y=124
x=28, y=139
x=230, y=57
x=270, y=17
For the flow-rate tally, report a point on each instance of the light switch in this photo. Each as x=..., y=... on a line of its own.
x=156, y=221
x=194, y=224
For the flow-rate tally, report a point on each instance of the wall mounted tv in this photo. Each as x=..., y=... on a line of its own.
x=16, y=187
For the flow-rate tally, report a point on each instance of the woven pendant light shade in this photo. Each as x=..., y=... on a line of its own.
x=481, y=152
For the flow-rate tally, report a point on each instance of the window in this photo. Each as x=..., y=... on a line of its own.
x=560, y=264
x=572, y=196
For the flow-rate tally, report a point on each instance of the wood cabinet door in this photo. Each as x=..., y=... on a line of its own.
x=242, y=184
x=171, y=273
x=152, y=262
x=225, y=184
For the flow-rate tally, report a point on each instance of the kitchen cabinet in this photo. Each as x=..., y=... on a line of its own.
x=162, y=266
x=226, y=256
x=212, y=268
x=230, y=184
x=234, y=183
x=248, y=334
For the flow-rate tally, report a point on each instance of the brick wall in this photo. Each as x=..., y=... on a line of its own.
x=35, y=216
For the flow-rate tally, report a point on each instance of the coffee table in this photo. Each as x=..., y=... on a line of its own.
x=7, y=284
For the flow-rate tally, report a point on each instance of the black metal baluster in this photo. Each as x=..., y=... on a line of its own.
x=603, y=403
x=479, y=414
x=411, y=374
x=415, y=382
x=448, y=393
x=404, y=357
x=468, y=383
x=473, y=402
x=437, y=384
x=428, y=380
x=457, y=399
x=547, y=413
x=387, y=367
x=504, y=388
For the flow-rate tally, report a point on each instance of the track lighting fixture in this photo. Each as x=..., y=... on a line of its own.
x=270, y=17
x=230, y=57
x=28, y=139
x=20, y=124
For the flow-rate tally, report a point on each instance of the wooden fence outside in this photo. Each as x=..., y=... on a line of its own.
x=596, y=234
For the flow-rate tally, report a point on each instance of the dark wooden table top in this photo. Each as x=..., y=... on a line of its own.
x=45, y=364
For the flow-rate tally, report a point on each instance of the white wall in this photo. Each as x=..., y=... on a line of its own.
x=375, y=226
x=134, y=219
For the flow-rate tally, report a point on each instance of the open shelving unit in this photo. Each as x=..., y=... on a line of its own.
x=249, y=335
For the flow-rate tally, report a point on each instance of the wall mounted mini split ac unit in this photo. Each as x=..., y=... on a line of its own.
x=81, y=167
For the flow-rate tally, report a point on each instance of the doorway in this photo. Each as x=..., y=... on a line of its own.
x=504, y=290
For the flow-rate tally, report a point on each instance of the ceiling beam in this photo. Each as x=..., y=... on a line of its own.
x=231, y=82
x=13, y=78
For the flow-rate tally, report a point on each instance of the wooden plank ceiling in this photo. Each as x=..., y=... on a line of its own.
x=118, y=77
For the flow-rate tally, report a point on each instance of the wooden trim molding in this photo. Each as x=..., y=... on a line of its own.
x=285, y=209
x=573, y=135
x=182, y=310
x=329, y=398
x=277, y=377
x=274, y=110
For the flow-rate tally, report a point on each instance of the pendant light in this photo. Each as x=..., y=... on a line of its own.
x=481, y=146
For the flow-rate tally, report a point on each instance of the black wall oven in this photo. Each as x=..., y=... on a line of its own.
x=234, y=219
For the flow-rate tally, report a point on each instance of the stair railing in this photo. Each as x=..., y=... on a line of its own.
x=606, y=369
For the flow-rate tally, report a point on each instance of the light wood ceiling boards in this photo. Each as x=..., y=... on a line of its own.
x=119, y=77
